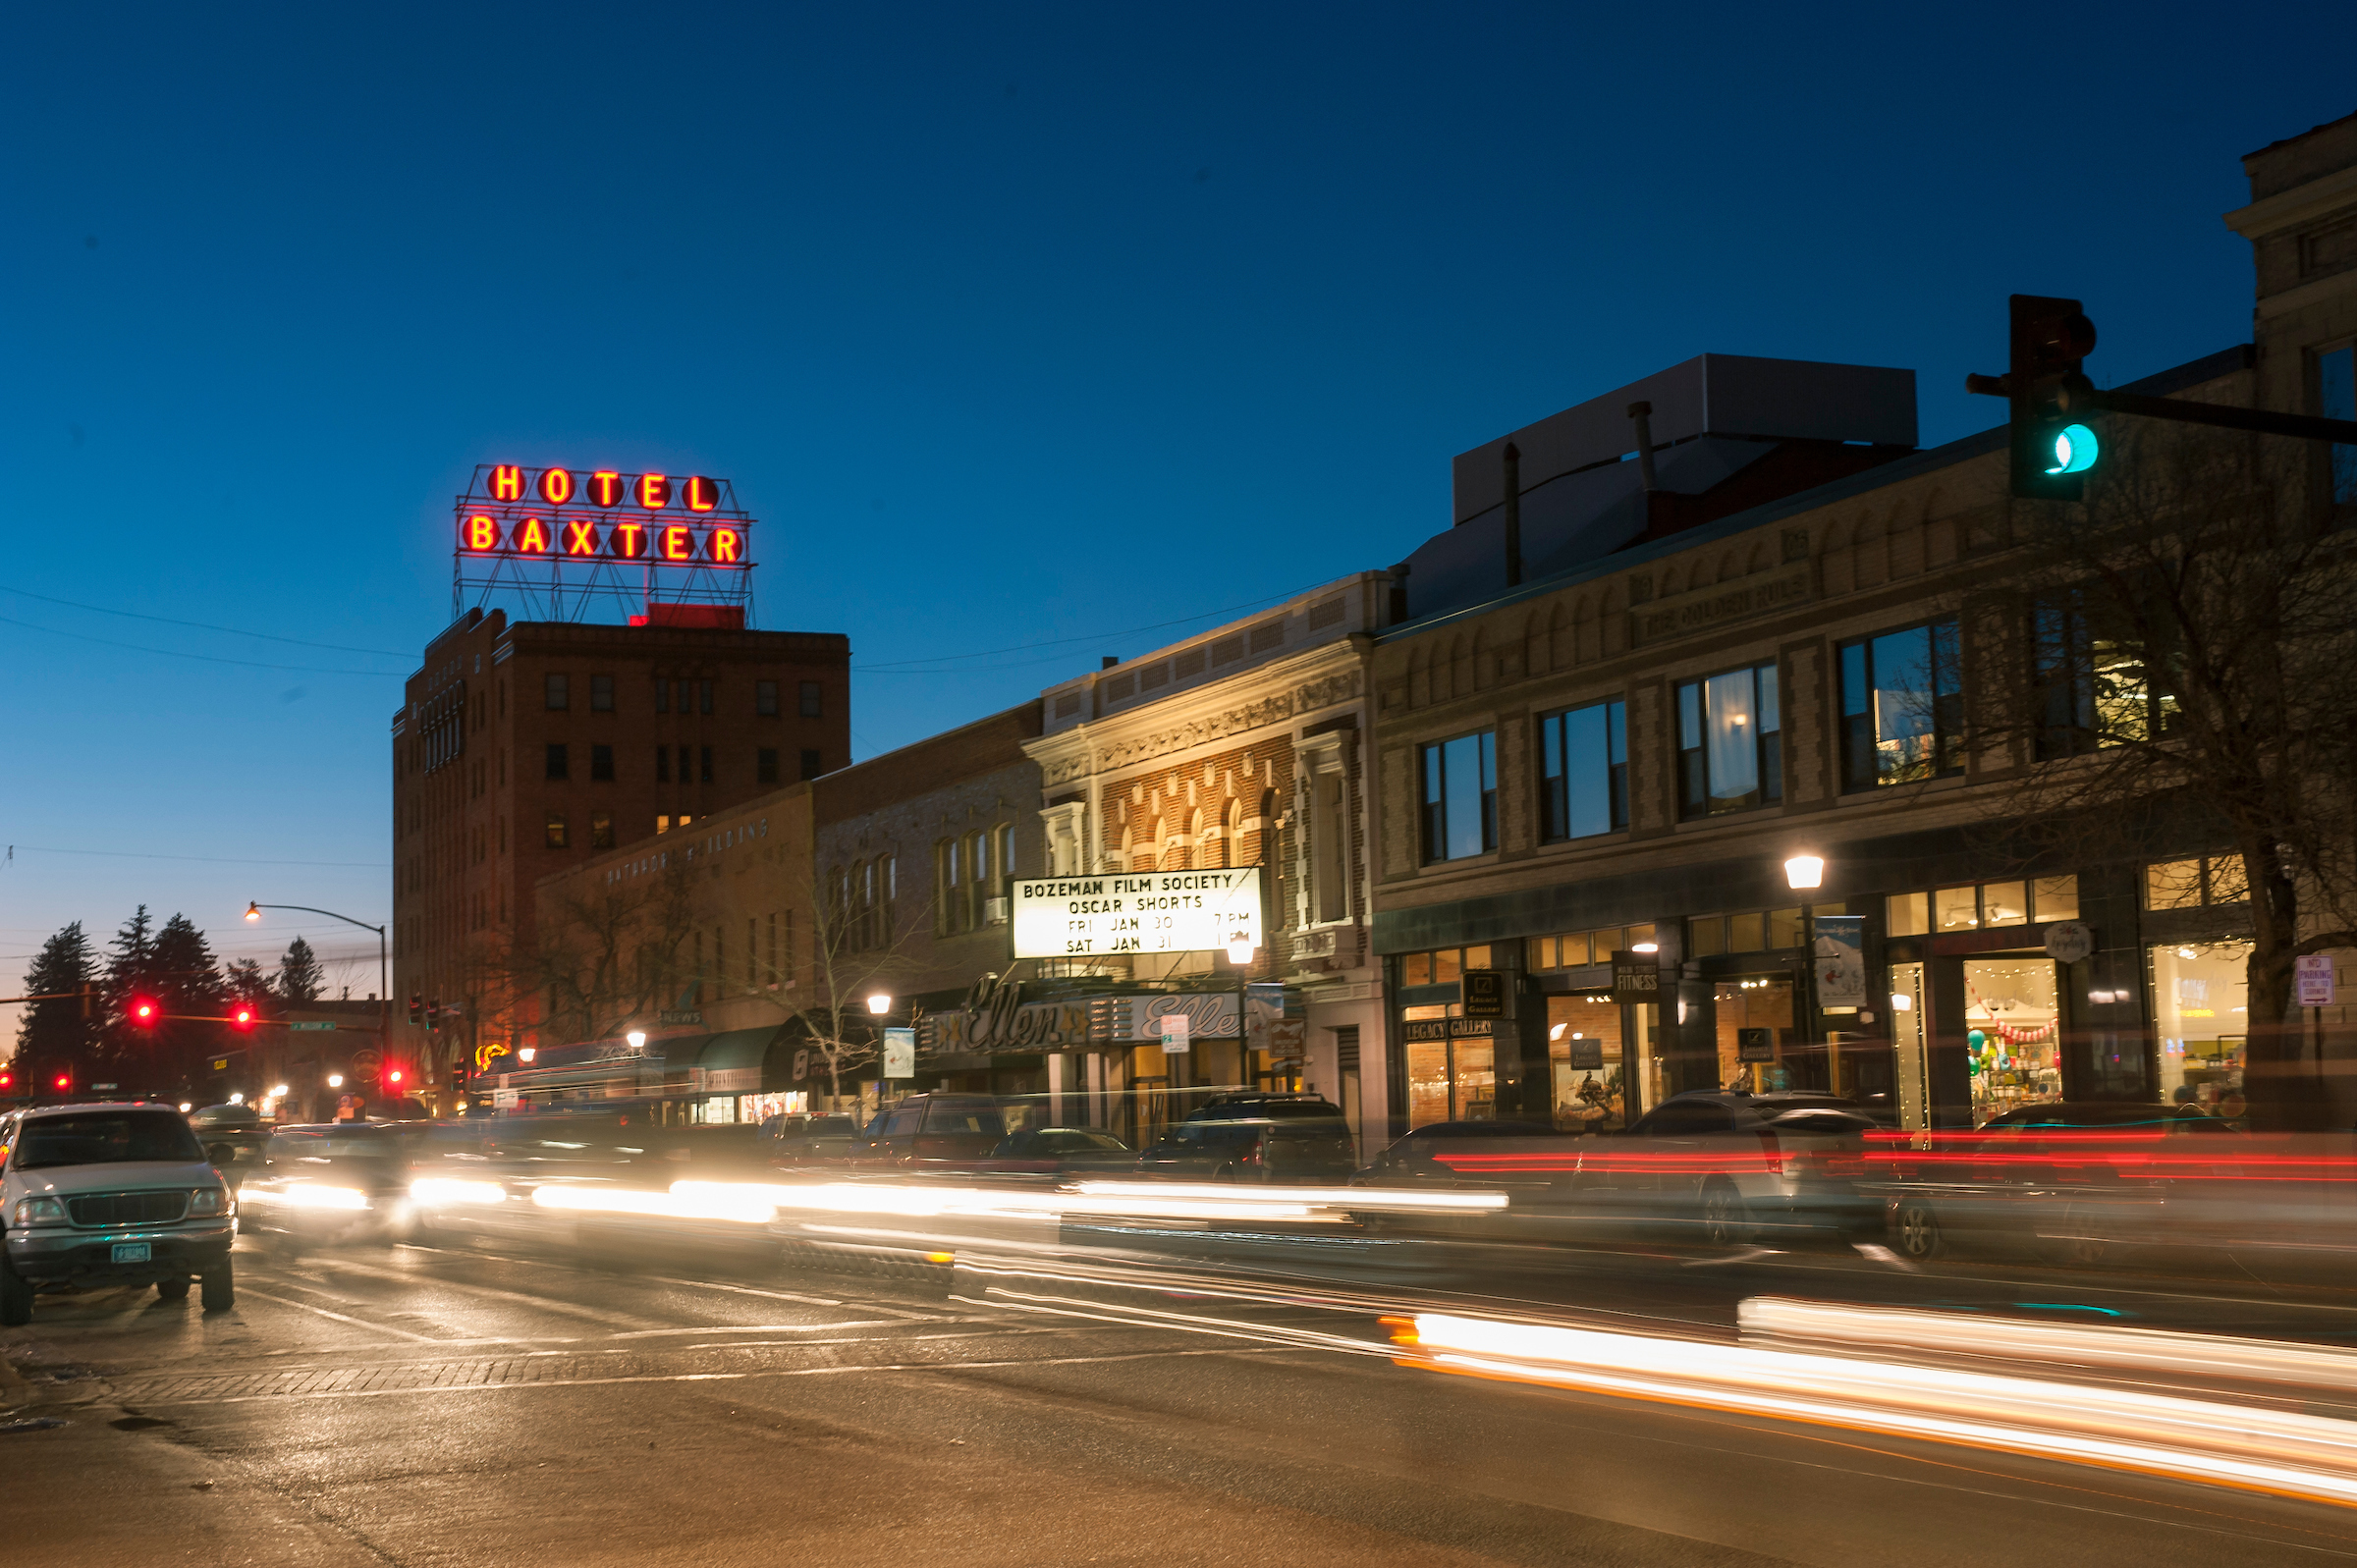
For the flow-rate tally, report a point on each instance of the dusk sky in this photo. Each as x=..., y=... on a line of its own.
x=1068, y=331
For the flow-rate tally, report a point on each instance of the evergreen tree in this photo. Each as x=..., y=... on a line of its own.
x=59, y=1033
x=247, y=982
x=300, y=976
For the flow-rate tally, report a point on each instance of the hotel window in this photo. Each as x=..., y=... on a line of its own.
x=601, y=693
x=1577, y=949
x=2336, y=399
x=1730, y=754
x=765, y=698
x=1584, y=770
x=1445, y=967
x=601, y=764
x=1972, y=906
x=558, y=765
x=705, y=777
x=662, y=765
x=557, y=833
x=704, y=696
x=765, y=764
x=2098, y=688
x=1460, y=796
x=810, y=766
x=1903, y=707
x=601, y=829
x=662, y=696
x=2191, y=884
x=811, y=703
x=556, y=693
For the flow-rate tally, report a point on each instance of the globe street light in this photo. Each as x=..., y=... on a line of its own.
x=638, y=1038
x=879, y=1004
x=1804, y=872
x=334, y=1080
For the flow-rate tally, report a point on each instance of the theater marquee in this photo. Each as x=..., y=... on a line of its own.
x=1147, y=911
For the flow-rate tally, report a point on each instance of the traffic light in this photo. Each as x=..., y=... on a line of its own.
x=458, y=1080
x=2052, y=448
x=433, y=1014
x=416, y=1008
x=8, y=1081
x=393, y=1076
x=240, y=1016
x=64, y=1082
x=145, y=1012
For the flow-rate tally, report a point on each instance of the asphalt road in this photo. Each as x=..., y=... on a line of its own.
x=497, y=1406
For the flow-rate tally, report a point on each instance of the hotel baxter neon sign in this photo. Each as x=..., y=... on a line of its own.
x=601, y=517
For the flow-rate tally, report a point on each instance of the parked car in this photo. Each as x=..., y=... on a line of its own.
x=1061, y=1151
x=796, y=1141
x=2070, y=1179
x=1250, y=1136
x=931, y=1132
x=99, y=1195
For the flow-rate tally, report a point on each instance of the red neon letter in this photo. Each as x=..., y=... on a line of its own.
x=702, y=495
x=531, y=537
x=507, y=483
x=581, y=538
x=727, y=545
x=677, y=543
x=605, y=487
x=556, y=486
x=482, y=533
x=654, y=492
x=628, y=540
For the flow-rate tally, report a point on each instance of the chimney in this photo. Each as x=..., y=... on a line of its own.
x=1513, y=514
x=1398, y=605
x=1642, y=414
x=1109, y=661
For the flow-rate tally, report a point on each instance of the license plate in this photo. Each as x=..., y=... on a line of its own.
x=134, y=1251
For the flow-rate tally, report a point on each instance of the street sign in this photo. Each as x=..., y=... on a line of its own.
x=2312, y=973
x=1176, y=1038
x=302, y=1026
x=2069, y=940
x=1485, y=993
x=900, y=1053
x=1636, y=976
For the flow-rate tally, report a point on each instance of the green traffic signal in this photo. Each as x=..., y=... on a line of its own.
x=2075, y=450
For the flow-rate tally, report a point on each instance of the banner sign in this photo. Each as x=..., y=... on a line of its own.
x=1840, y=959
x=1147, y=911
x=900, y=1053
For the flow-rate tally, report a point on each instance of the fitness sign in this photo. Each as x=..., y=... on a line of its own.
x=602, y=516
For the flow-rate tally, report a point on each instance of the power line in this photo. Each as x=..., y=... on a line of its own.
x=1066, y=642
x=202, y=626
x=211, y=659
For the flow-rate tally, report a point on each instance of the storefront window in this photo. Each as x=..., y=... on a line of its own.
x=1587, y=1070
x=2201, y=1011
x=1474, y=1075
x=1988, y=904
x=1762, y=1001
x=1427, y=1049
x=1908, y=1024
x=2012, y=1029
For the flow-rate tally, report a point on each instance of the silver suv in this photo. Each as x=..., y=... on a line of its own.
x=109, y=1195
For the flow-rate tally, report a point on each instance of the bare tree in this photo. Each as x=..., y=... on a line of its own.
x=2175, y=663
x=603, y=956
x=858, y=950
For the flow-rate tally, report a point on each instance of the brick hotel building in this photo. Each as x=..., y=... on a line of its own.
x=523, y=748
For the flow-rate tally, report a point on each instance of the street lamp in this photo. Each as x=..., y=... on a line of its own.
x=638, y=1038
x=879, y=1004
x=279, y=1093
x=1240, y=950
x=526, y=1052
x=1804, y=872
x=334, y=1080
x=384, y=988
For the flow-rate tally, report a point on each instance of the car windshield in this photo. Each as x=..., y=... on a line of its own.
x=105, y=1138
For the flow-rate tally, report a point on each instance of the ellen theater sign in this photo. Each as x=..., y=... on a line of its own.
x=1148, y=911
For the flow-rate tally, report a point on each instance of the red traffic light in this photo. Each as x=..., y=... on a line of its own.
x=143, y=1011
x=65, y=1080
x=242, y=1016
x=393, y=1076
x=8, y=1081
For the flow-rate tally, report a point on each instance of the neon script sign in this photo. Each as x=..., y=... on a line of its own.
x=520, y=514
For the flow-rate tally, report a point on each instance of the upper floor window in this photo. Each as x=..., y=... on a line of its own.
x=2191, y=884
x=601, y=764
x=1460, y=796
x=1584, y=770
x=1730, y=754
x=810, y=699
x=1443, y=968
x=703, y=698
x=2336, y=399
x=2098, y=684
x=765, y=698
x=662, y=696
x=765, y=764
x=558, y=692
x=601, y=693
x=557, y=833
x=558, y=765
x=1903, y=707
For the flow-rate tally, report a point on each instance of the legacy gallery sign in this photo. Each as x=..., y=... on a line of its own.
x=1146, y=911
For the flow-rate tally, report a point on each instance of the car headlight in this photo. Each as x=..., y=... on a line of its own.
x=209, y=1201
x=40, y=1211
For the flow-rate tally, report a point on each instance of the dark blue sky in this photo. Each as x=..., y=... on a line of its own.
x=1012, y=324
